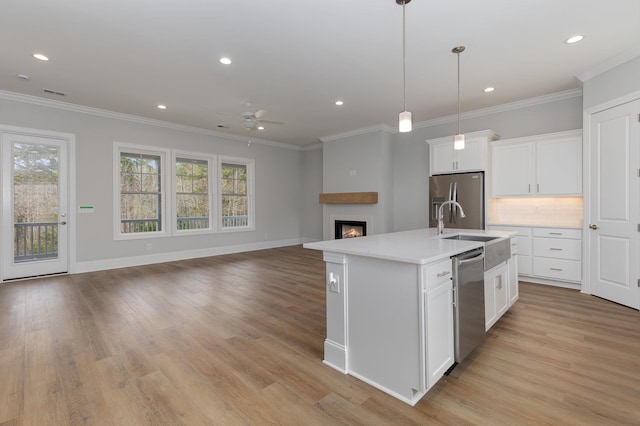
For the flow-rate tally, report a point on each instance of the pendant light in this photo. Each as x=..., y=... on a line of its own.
x=458, y=139
x=404, y=118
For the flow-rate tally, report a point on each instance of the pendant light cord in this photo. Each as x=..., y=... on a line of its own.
x=404, y=59
x=458, y=92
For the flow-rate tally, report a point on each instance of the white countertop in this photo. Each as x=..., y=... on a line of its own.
x=420, y=246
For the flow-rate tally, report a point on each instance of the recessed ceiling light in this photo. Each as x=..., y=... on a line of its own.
x=40, y=56
x=339, y=103
x=162, y=106
x=574, y=39
x=489, y=89
x=260, y=127
x=225, y=61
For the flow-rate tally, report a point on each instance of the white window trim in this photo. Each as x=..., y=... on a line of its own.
x=250, y=163
x=167, y=197
x=213, y=196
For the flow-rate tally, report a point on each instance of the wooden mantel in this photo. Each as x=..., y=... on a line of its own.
x=349, y=198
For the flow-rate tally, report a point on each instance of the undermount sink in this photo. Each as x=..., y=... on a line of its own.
x=496, y=249
x=467, y=237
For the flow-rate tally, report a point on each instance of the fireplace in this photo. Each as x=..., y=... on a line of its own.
x=350, y=229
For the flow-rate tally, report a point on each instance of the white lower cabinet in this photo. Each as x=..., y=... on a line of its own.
x=440, y=332
x=548, y=255
x=439, y=328
x=496, y=293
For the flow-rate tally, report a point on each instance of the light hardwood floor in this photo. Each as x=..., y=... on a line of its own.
x=237, y=340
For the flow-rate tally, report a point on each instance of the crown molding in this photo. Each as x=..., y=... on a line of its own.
x=609, y=64
x=358, y=132
x=49, y=103
x=525, y=103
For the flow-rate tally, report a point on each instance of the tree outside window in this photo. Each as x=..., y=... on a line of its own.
x=235, y=195
x=192, y=194
x=140, y=193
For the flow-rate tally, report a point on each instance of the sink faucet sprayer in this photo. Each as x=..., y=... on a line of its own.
x=440, y=228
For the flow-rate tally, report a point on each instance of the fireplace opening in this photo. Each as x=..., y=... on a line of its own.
x=350, y=229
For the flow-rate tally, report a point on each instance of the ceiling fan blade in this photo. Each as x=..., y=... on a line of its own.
x=259, y=113
x=270, y=122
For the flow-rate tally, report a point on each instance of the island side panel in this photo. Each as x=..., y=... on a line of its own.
x=384, y=326
x=335, y=345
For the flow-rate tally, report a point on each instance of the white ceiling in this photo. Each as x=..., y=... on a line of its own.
x=295, y=58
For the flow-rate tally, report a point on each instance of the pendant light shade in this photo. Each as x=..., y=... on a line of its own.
x=458, y=139
x=405, y=122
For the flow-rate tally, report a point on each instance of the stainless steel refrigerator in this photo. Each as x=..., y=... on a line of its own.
x=465, y=188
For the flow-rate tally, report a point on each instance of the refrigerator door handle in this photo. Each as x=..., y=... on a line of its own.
x=451, y=198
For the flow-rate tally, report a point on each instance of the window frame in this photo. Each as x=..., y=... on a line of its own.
x=213, y=196
x=165, y=196
x=250, y=165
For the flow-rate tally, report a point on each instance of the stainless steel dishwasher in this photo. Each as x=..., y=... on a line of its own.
x=468, y=281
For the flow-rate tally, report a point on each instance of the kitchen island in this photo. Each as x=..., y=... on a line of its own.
x=390, y=307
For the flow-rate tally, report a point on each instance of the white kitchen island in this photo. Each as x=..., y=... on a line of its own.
x=390, y=307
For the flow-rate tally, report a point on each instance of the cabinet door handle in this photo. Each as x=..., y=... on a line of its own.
x=556, y=249
x=538, y=187
x=529, y=188
x=556, y=269
x=555, y=233
x=443, y=274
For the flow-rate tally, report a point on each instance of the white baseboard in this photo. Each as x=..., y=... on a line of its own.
x=124, y=262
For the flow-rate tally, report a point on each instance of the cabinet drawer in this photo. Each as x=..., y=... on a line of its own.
x=565, y=270
x=558, y=233
x=435, y=274
x=557, y=248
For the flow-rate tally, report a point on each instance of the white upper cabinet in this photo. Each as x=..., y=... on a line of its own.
x=545, y=165
x=444, y=159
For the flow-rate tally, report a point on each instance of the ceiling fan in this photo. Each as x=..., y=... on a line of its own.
x=252, y=120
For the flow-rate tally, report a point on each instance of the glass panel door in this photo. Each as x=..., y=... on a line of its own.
x=34, y=182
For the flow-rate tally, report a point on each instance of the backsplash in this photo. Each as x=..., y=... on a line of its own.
x=536, y=211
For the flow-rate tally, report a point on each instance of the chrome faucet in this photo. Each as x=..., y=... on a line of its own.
x=440, y=229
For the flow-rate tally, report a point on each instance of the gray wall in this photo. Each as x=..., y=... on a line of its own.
x=288, y=180
x=360, y=163
x=279, y=187
x=411, y=152
x=615, y=83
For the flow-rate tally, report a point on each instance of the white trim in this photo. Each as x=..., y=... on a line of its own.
x=165, y=190
x=357, y=132
x=586, y=178
x=610, y=64
x=70, y=139
x=212, y=161
x=125, y=262
x=526, y=103
x=18, y=97
x=251, y=195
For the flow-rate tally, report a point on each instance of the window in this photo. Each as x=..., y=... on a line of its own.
x=236, y=193
x=193, y=193
x=140, y=196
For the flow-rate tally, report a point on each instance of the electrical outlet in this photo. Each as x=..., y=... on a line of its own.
x=334, y=283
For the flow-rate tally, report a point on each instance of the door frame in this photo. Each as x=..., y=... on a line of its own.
x=586, y=180
x=70, y=140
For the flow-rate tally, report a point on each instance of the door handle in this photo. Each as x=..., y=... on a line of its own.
x=593, y=226
x=64, y=222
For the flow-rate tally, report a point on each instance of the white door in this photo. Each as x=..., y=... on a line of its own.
x=34, y=206
x=614, y=211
